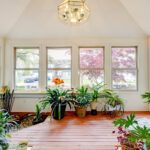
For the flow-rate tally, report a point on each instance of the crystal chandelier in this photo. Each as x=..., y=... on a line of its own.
x=73, y=11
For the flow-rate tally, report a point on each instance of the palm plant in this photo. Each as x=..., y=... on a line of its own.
x=146, y=95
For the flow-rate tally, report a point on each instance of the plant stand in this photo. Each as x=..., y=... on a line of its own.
x=113, y=111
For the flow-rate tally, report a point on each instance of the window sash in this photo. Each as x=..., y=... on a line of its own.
x=26, y=70
x=122, y=69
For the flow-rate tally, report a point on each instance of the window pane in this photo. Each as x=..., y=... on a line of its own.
x=27, y=58
x=27, y=80
x=124, y=57
x=124, y=80
x=62, y=74
x=90, y=77
x=91, y=58
x=59, y=58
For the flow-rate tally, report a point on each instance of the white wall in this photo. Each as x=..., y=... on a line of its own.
x=1, y=62
x=133, y=101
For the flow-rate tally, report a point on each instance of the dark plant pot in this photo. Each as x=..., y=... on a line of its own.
x=94, y=112
x=40, y=120
x=56, y=112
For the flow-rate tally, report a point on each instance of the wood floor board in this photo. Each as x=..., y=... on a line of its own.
x=72, y=133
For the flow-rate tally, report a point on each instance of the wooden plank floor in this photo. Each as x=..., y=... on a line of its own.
x=72, y=133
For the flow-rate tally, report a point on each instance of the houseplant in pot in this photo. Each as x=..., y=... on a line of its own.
x=146, y=95
x=131, y=135
x=38, y=116
x=57, y=98
x=82, y=101
x=6, y=123
x=94, y=98
x=114, y=103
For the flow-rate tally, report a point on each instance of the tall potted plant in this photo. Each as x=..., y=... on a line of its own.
x=57, y=99
x=82, y=101
x=94, y=98
x=146, y=95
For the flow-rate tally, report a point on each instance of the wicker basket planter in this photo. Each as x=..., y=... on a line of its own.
x=80, y=111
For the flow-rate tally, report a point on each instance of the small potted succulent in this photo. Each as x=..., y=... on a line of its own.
x=146, y=95
x=131, y=136
x=82, y=101
x=57, y=99
x=94, y=98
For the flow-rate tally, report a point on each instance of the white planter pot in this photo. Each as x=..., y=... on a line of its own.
x=114, y=108
x=93, y=105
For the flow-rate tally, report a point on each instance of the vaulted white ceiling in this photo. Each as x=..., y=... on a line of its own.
x=108, y=18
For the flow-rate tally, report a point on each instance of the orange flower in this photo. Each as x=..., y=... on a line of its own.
x=58, y=81
x=3, y=90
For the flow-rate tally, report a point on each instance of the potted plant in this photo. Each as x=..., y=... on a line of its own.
x=82, y=101
x=146, y=95
x=57, y=99
x=7, y=98
x=114, y=103
x=6, y=123
x=132, y=136
x=38, y=116
x=94, y=98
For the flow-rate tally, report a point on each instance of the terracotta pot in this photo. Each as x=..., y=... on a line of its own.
x=93, y=105
x=124, y=147
x=80, y=111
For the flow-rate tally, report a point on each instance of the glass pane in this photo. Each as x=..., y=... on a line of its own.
x=59, y=58
x=27, y=58
x=124, y=57
x=91, y=77
x=62, y=74
x=91, y=58
x=124, y=80
x=27, y=80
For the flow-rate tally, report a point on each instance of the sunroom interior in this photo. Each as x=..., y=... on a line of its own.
x=74, y=74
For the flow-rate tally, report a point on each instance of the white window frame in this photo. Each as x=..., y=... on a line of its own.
x=58, y=69
x=96, y=69
x=30, y=69
x=135, y=69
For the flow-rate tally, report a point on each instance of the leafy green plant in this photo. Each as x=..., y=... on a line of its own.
x=95, y=91
x=6, y=123
x=134, y=135
x=82, y=97
x=113, y=98
x=38, y=112
x=146, y=95
x=129, y=121
x=56, y=97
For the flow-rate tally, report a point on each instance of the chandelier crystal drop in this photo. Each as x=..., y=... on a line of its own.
x=73, y=11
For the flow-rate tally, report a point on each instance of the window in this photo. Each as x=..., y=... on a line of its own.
x=26, y=69
x=91, y=66
x=59, y=66
x=124, y=68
